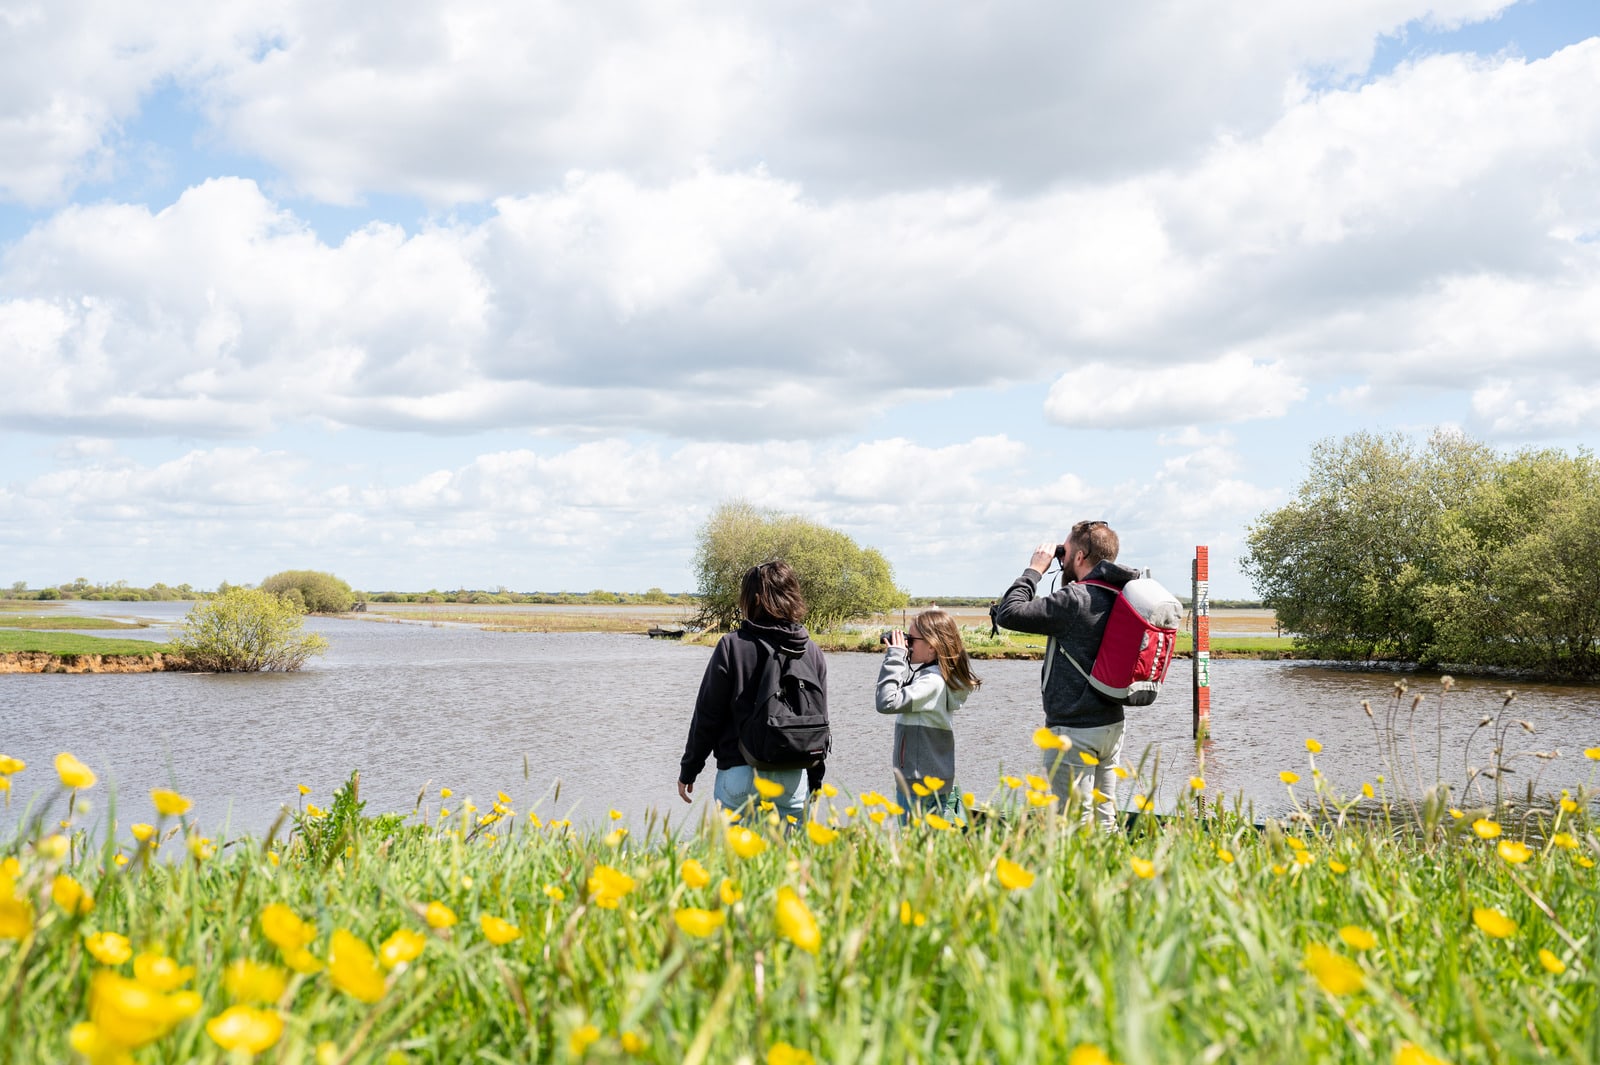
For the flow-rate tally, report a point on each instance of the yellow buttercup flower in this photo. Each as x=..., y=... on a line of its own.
x=1046, y=740
x=71, y=896
x=1337, y=974
x=1313, y=746
x=498, y=931
x=1457, y=814
x=582, y=1038
x=785, y=1054
x=10, y=765
x=254, y=981
x=284, y=929
x=1289, y=777
x=697, y=922
x=1366, y=790
x=554, y=893
x=1225, y=854
x=693, y=873
x=729, y=892
x=1012, y=876
x=1551, y=963
x=795, y=921
x=53, y=846
x=1357, y=938
x=169, y=803
x=935, y=821
x=1098, y=795
x=1565, y=841
x=1039, y=798
x=1122, y=772
x=1036, y=782
x=829, y=791
x=245, y=1028
x=877, y=817
x=1011, y=782
x=769, y=789
x=403, y=945
x=1143, y=804
x=303, y=789
x=920, y=790
x=1585, y=861
x=1512, y=852
x=353, y=969
x=302, y=961
x=745, y=843
x=1088, y=1054
x=1087, y=759
x=608, y=886
x=1142, y=868
x=438, y=915
x=909, y=916
x=1592, y=753
x=633, y=1043
x=108, y=948
x=1410, y=1054
x=1485, y=828
x=73, y=773
x=934, y=783
x=614, y=838
x=821, y=834
x=1197, y=783
x=95, y=1047
x=130, y=1014
x=16, y=916
x=160, y=972
x=1493, y=923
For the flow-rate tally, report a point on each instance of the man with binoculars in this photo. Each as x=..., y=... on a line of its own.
x=1074, y=618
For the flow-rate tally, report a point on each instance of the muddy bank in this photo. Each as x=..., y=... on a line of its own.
x=42, y=662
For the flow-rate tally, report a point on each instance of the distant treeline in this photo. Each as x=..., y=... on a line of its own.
x=117, y=591
x=478, y=597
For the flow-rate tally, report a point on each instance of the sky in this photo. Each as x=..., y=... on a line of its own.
x=506, y=293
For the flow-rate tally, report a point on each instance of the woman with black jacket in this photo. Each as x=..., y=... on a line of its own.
x=773, y=607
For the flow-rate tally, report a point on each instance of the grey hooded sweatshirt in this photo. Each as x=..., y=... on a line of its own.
x=1074, y=617
x=924, y=735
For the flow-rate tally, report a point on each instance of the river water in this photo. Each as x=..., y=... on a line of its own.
x=418, y=706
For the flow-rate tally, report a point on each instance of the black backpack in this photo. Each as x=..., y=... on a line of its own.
x=787, y=724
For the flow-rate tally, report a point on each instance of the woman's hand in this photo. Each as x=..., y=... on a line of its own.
x=897, y=639
x=685, y=791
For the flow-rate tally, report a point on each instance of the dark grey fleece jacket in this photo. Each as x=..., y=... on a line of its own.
x=728, y=688
x=1074, y=617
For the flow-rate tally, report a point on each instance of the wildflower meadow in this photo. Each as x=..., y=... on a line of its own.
x=996, y=930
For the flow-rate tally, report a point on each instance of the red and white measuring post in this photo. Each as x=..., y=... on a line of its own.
x=1200, y=614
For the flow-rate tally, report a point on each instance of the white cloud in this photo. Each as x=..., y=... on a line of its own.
x=474, y=99
x=1230, y=389
x=1536, y=406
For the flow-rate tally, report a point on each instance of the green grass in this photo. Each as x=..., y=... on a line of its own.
x=64, y=621
x=67, y=643
x=923, y=953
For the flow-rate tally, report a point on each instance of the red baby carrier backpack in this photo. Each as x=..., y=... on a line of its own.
x=1137, y=648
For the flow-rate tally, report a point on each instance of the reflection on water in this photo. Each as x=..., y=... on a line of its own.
x=607, y=714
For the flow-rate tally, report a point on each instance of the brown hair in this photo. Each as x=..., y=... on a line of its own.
x=771, y=592
x=1096, y=540
x=939, y=629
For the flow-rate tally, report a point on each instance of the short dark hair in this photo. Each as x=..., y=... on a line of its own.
x=771, y=592
x=1096, y=540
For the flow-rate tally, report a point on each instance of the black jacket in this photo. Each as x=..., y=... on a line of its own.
x=1074, y=617
x=728, y=689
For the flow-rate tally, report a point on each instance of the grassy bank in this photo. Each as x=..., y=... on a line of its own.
x=614, y=619
x=494, y=936
x=67, y=643
x=64, y=621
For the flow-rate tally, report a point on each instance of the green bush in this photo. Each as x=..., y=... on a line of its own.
x=320, y=593
x=840, y=579
x=246, y=630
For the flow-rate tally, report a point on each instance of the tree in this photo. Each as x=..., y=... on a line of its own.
x=318, y=593
x=246, y=630
x=839, y=578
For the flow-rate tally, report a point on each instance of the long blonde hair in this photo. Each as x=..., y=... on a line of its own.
x=939, y=629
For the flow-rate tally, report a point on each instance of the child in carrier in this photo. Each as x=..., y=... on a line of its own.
x=925, y=678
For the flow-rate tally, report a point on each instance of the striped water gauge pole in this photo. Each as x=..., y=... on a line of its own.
x=1200, y=620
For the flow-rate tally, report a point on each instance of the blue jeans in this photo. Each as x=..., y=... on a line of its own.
x=737, y=786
